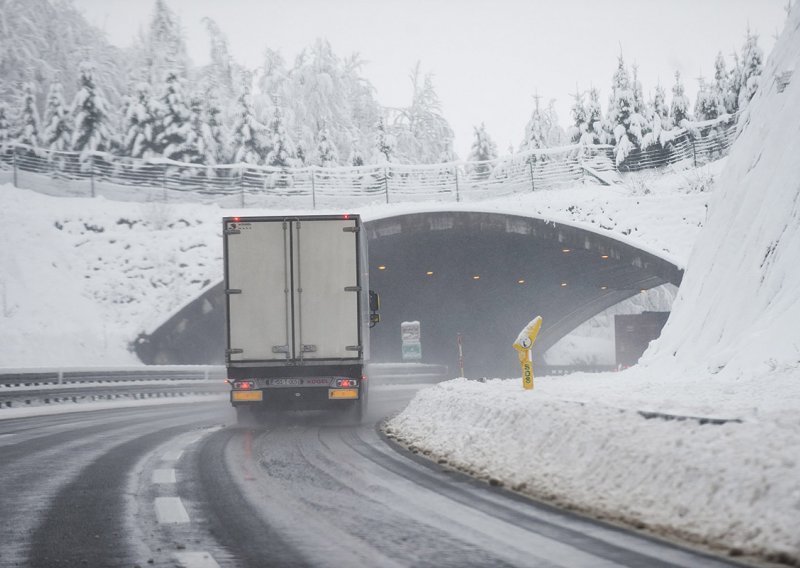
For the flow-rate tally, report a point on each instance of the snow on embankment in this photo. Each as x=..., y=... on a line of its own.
x=731, y=349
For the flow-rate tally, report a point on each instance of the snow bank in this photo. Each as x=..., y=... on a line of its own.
x=731, y=349
x=734, y=486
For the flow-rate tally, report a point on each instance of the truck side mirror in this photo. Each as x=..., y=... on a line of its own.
x=374, y=307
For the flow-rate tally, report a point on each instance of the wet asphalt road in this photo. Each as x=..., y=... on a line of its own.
x=180, y=485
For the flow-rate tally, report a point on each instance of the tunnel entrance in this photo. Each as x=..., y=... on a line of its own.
x=484, y=275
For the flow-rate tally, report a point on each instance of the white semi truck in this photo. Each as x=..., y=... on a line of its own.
x=299, y=311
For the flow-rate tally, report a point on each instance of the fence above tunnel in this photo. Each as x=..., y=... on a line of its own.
x=71, y=174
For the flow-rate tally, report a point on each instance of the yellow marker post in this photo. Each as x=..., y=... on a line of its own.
x=524, y=345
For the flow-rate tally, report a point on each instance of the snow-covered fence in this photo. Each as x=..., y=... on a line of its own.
x=247, y=185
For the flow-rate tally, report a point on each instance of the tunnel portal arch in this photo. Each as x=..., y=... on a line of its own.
x=483, y=274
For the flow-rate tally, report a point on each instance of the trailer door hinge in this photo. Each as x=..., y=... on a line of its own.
x=233, y=351
x=352, y=288
x=233, y=291
x=232, y=232
x=353, y=348
x=280, y=348
x=353, y=229
x=309, y=348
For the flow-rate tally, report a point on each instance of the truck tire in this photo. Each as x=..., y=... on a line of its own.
x=355, y=413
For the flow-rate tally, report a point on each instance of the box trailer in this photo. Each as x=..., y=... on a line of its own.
x=298, y=315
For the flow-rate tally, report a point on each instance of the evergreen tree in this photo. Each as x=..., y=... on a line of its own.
x=535, y=130
x=554, y=135
x=281, y=150
x=356, y=158
x=247, y=133
x=709, y=103
x=142, y=125
x=594, y=119
x=621, y=102
x=658, y=121
x=751, y=66
x=173, y=139
x=483, y=148
x=57, y=132
x=722, y=85
x=578, y=113
x=384, y=143
x=327, y=156
x=301, y=155
x=422, y=133
x=90, y=115
x=5, y=127
x=639, y=105
x=679, y=109
x=212, y=140
x=28, y=131
x=163, y=48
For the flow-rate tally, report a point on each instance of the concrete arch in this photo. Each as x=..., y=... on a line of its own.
x=526, y=266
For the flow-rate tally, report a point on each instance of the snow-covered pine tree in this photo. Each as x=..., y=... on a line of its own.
x=422, y=133
x=658, y=120
x=722, y=85
x=5, y=127
x=483, y=149
x=384, y=143
x=679, y=109
x=578, y=113
x=174, y=137
x=142, y=125
x=162, y=47
x=554, y=134
x=212, y=142
x=247, y=134
x=90, y=115
x=594, y=119
x=534, y=131
x=356, y=158
x=57, y=131
x=751, y=66
x=28, y=117
x=709, y=104
x=300, y=152
x=639, y=105
x=327, y=155
x=280, y=152
x=621, y=101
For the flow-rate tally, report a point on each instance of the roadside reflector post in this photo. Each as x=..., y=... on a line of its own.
x=524, y=347
x=460, y=340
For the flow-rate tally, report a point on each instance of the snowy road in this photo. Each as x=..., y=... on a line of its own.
x=176, y=484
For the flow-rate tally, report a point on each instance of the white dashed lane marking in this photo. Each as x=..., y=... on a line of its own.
x=196, y=560
x=163, y=476
x=170, y=510
x=172, y=455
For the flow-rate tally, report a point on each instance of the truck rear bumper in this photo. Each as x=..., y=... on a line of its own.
x=295, y=399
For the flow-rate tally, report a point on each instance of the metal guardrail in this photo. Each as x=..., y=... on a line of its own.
x=70, y=174
x=21, y=388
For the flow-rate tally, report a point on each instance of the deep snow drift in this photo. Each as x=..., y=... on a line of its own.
x=731, y=349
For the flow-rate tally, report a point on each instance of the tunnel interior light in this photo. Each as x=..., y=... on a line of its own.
x=429, y=273
x=565, y=250
x=521, y=281
x=604, y=256
x=563, y=284
x=382, y=267
x=476, y=277
x=604, y=287
x=642, y=291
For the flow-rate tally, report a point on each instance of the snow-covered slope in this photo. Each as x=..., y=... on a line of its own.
x=731, y=350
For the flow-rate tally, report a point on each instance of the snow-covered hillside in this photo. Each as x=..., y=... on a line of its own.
x=80, y=278
x=731, y=351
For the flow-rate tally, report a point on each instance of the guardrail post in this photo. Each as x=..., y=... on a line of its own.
x=164, y=180
x=14, y=162
x=313, y=190
x=386, y=184
x=694, y=151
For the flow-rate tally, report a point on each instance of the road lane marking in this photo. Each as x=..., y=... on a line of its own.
x=170, y=510
x=196, y=560
x=164, y=476
x=172, y=455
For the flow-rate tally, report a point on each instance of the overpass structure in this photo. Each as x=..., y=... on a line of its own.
x=480, y=274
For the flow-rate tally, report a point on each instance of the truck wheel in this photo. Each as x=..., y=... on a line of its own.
x=356, y=412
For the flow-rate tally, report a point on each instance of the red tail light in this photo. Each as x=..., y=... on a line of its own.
x=244, y=385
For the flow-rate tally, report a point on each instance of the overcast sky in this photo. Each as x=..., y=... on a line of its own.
x=488, y=57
